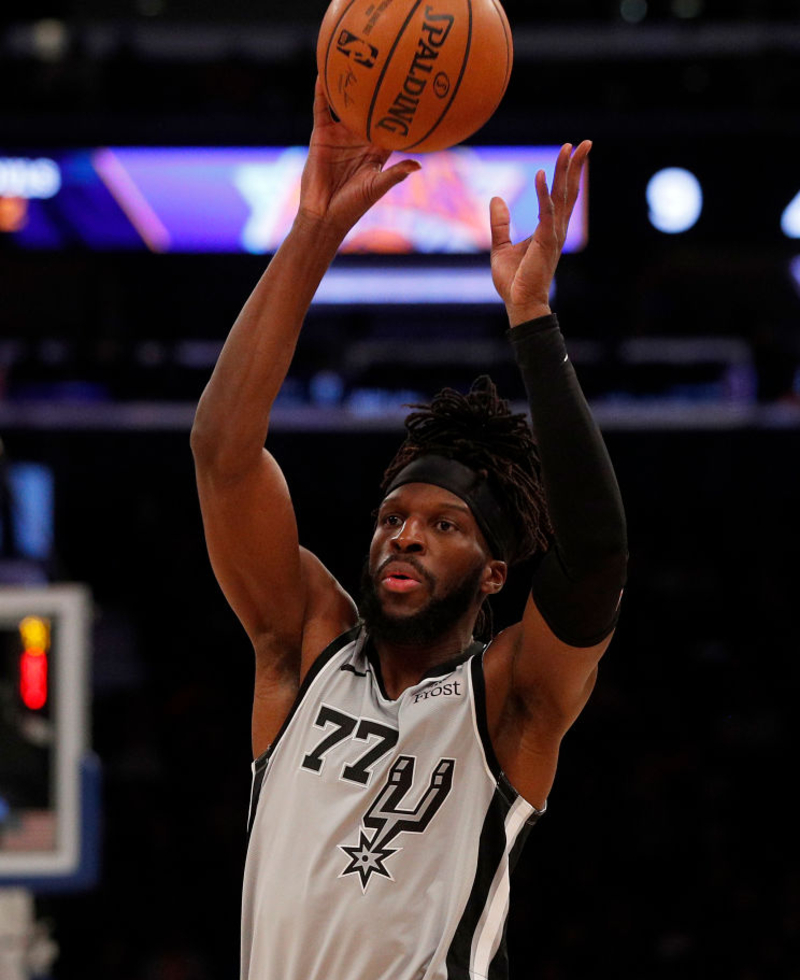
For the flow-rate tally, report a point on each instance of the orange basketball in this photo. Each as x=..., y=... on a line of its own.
x=414, y=75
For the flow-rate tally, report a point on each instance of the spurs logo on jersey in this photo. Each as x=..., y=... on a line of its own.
x=358, y=796
x=388, y=821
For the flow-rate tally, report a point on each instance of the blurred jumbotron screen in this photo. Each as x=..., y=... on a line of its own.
x=47, y=784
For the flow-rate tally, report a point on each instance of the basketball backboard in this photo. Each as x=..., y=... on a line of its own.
x=49, y=782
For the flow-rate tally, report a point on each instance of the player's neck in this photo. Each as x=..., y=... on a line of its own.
x=404, y=665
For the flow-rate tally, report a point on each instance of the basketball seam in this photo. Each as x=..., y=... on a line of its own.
x=334, y=34
x=456, y=87
x=377, y=89
x=509, y=63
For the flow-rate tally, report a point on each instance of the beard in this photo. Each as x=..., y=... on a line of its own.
x=427, y=624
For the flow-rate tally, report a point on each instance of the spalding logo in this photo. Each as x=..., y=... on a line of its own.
x=434, y=33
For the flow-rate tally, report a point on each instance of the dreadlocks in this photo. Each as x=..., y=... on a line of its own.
x=479, y=430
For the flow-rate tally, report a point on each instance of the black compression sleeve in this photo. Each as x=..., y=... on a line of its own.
x=577, y=584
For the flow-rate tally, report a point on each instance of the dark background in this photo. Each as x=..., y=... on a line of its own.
x=669, y=848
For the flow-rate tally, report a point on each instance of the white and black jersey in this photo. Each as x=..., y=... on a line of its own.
x=382, y=832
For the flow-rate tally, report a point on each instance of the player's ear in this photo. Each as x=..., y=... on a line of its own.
x=494, y=576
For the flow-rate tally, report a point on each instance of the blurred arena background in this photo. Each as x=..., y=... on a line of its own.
x=668, y=851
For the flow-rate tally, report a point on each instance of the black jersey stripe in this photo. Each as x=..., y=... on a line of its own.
x=499, y=967
x=522, y=836
x=479, y=690
x=491, y=850
x=260, y=764
x=259, y=768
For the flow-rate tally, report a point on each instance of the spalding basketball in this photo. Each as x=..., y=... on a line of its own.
x=414, y=75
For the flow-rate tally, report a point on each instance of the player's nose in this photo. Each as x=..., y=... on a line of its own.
x=408, y=538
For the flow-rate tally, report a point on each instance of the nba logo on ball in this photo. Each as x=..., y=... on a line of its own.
x=414, y=75
x=353, y=47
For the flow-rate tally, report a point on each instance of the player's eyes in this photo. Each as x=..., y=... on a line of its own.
x=391, y=520
x=445, y=525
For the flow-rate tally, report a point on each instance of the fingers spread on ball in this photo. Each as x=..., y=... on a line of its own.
x=322, y=109
x=388, y=179
x=404, y=169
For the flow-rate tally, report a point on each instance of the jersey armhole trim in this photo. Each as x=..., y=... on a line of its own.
x=504, y=785
x=314, y=671
x=479, y=696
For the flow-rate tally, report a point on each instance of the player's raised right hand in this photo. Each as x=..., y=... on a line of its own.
x=344, y=176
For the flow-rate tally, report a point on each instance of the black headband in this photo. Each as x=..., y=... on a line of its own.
x=473, y=488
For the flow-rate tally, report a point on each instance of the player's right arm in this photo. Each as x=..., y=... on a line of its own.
x=285, y=599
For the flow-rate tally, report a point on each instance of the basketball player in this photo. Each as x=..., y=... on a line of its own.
x=400, y=756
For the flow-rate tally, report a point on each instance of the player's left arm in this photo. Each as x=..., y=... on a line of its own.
x=544, y=668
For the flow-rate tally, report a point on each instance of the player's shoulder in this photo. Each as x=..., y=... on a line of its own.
x=324, y=594
x=500, y=651
x=330, y=610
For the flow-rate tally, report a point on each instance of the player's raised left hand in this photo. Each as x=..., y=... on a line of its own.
x=523, y=273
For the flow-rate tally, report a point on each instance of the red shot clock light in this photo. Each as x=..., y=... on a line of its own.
x=35, y=635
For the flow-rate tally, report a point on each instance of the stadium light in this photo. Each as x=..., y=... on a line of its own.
x=790, y=222
x=675, y=199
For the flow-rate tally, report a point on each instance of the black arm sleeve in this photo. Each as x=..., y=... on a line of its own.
x=578, y=583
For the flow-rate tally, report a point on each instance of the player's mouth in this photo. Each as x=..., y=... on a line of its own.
x=400, y=577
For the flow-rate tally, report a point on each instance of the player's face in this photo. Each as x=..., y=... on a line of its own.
x=429, y=564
